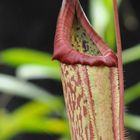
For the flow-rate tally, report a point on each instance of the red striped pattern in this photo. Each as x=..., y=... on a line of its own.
x=91, y=118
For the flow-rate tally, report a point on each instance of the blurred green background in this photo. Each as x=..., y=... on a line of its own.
x=31, y=97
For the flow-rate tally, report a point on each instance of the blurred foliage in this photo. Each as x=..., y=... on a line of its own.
x=19, y=56
x=22, y=88
x=132, y=93
x=35, y=115
x=32, y=117
x=32, y=71
x=45, y=113
x=103, y=20
x=131, y=54
x=132, y=122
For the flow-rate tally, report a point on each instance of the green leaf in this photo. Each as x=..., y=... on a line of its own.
x=34, y=125
x=132, y=54
x=101, y=15
x=14, y=86
x=37, y=72
x=132, y=93
x=99, y=19
x=102, y=18
x=31, y=117
x=35, y=109
x=132, y=122
x=46, y=125
x=20, y=56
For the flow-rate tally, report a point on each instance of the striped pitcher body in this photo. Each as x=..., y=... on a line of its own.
x=90, y=77
x=92, y=101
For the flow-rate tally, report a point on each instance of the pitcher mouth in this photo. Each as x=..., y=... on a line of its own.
x=76, y=42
